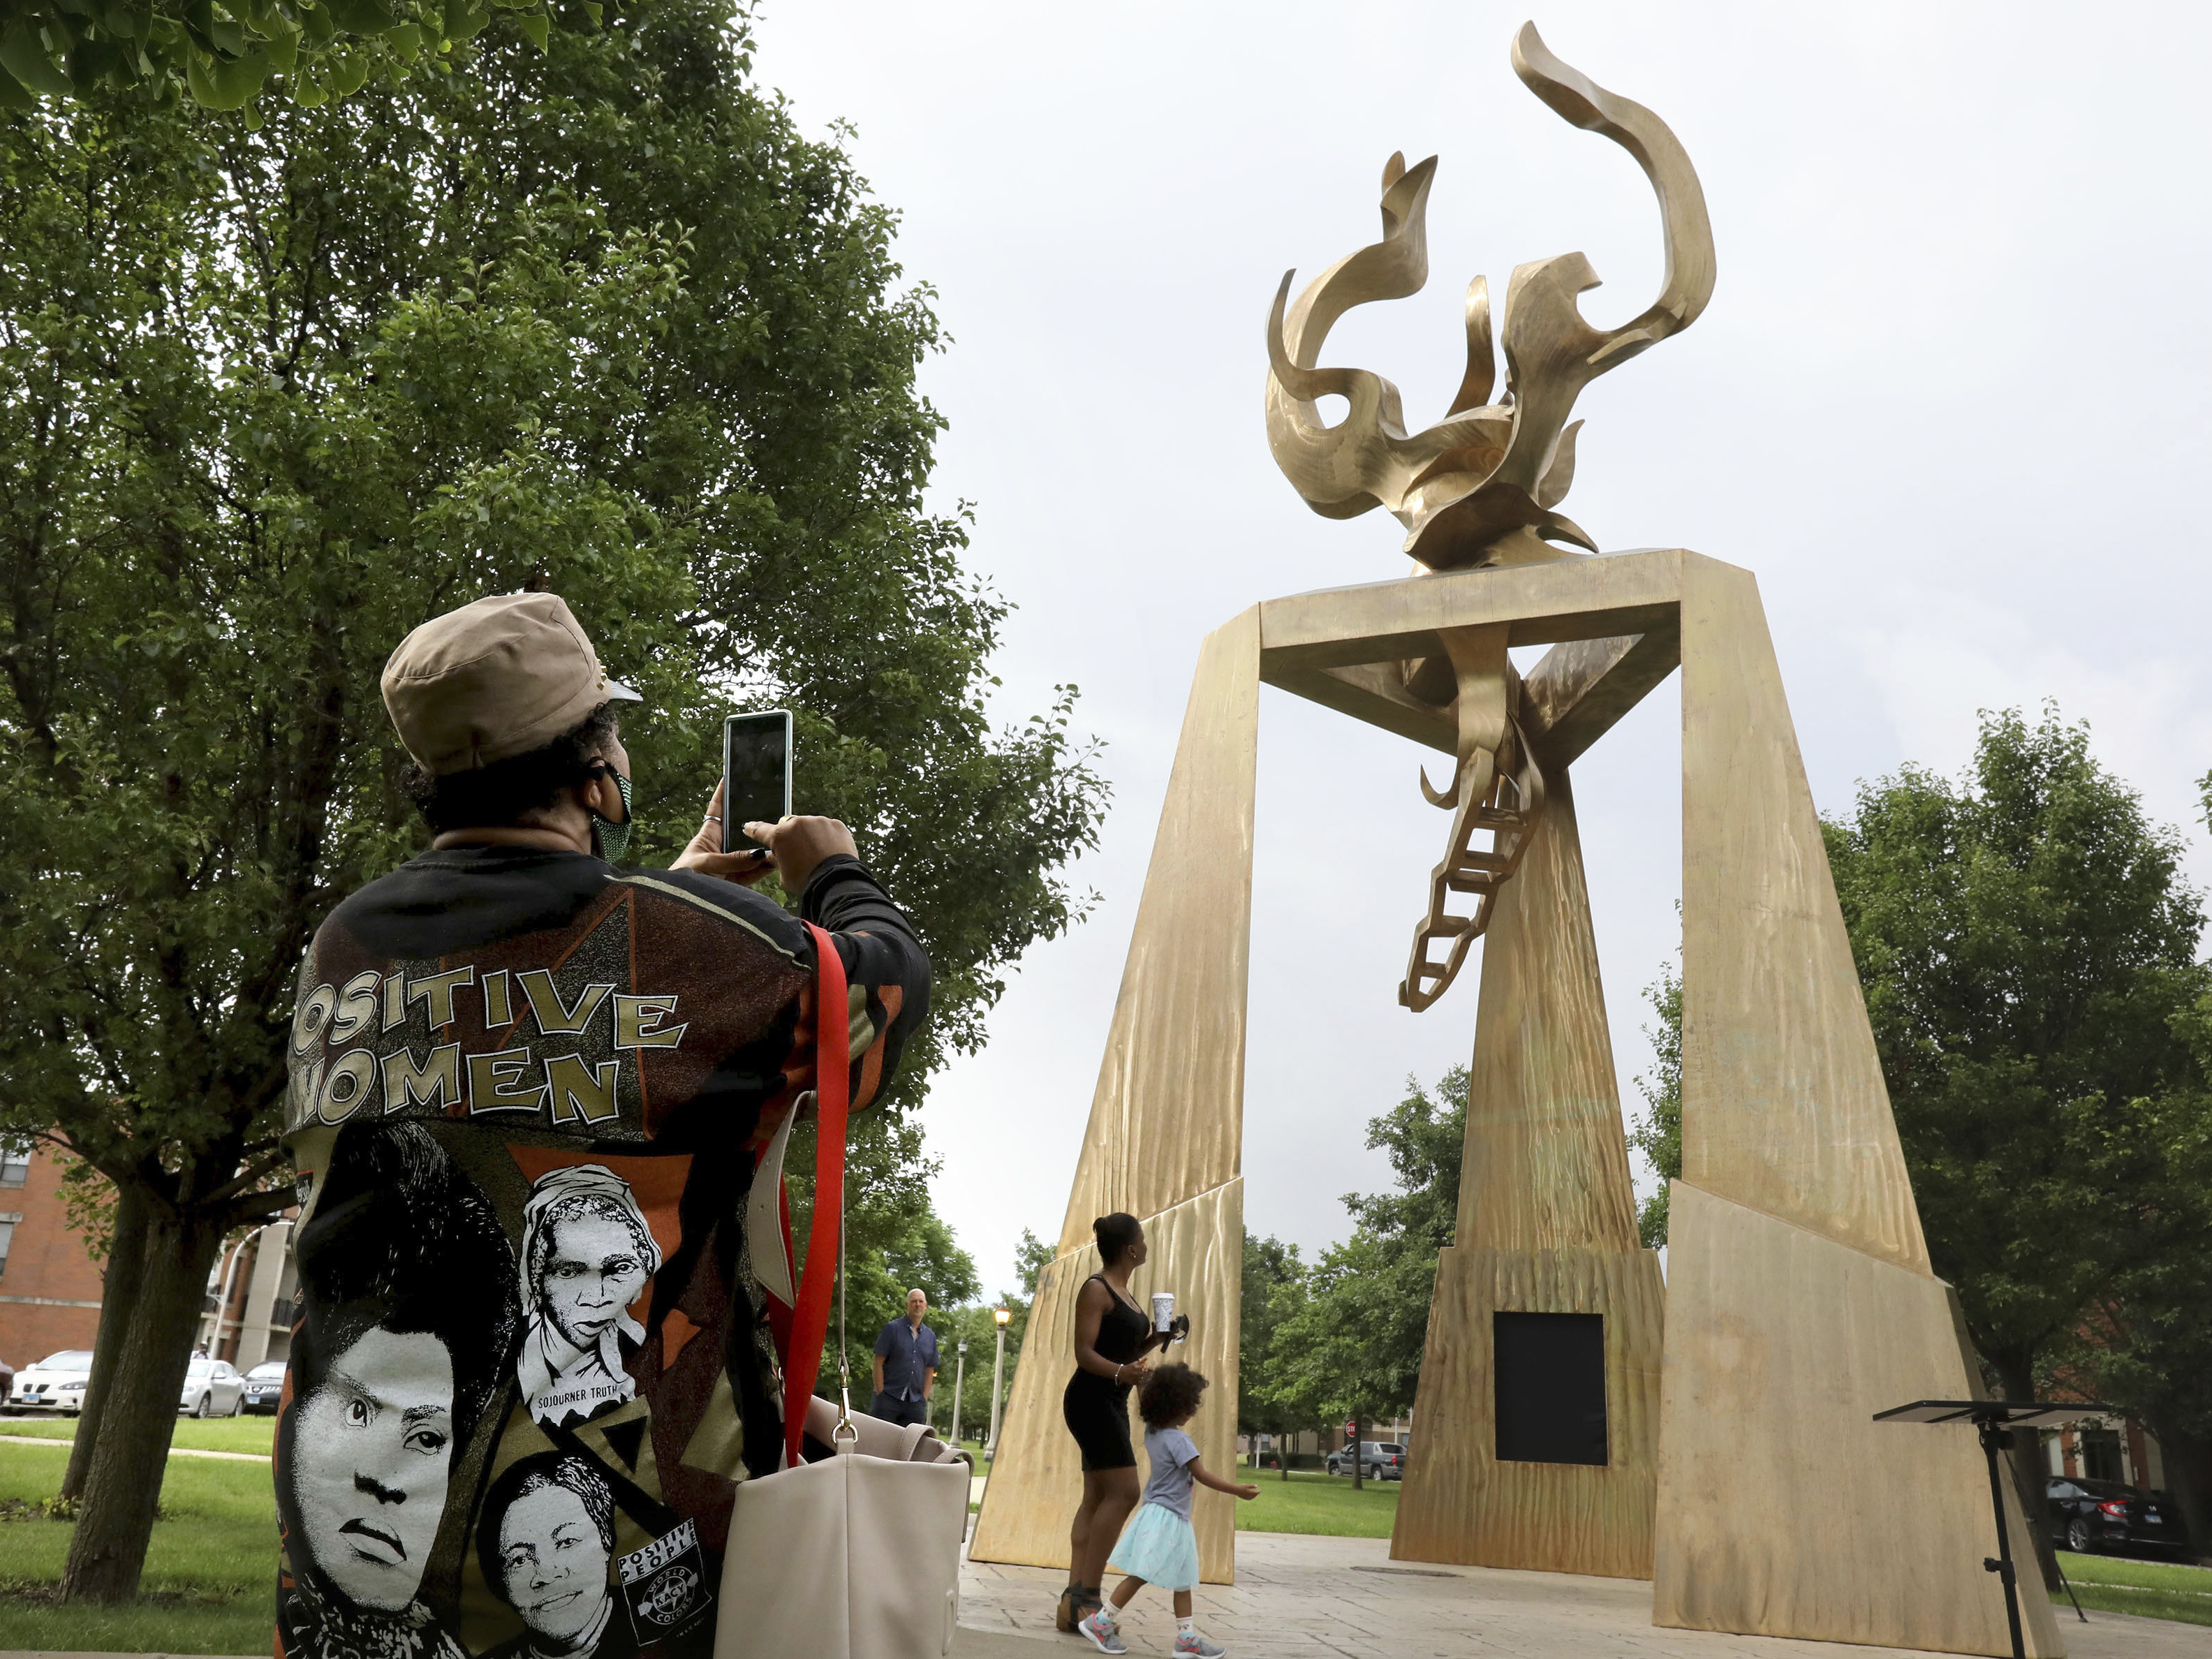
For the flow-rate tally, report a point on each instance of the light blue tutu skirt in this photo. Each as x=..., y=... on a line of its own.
x=1158, y=1547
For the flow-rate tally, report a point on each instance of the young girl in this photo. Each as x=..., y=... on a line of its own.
x=1158, y=1547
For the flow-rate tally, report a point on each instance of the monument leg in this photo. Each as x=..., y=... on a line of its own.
x=1800, y=1297
x=1164, y=1139
x=1546, y=1226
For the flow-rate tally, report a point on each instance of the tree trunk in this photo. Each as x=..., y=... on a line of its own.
x=2184, y=1455
x=119, y=1302
x=1358, y=1463
x=139, y=1415
x=2017, y=1374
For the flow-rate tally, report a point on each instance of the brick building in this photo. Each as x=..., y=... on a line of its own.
x=251, y=1296
x=49, y=1286
x=2107, y=1448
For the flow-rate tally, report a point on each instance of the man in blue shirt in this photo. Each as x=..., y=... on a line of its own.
x=906, y=1366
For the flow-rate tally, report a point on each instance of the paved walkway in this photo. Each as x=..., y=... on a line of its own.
x=1299, y=1597
x=1318, y=1598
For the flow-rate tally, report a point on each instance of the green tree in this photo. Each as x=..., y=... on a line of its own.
x=2028, y=949
x=977, y=1325
x=895, y=1240
x=268, y=398
x=1031, y=1257
x=1657, y=1131
x=1348, y=1336
x=160, y=50
x=1268, y=1263
x=2145, y=1346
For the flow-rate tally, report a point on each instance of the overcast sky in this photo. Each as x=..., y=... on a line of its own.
x=1949, y=402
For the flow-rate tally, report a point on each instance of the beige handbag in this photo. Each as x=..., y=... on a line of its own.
x=857, y=1556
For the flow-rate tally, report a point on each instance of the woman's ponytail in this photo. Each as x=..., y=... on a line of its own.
x=1115, y=1234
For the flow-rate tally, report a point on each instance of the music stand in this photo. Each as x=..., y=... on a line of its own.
x=1994, y=1420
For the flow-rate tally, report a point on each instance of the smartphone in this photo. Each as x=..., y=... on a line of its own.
x=756, y=773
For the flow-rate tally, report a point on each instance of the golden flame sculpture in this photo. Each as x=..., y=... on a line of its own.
x=1479, y=488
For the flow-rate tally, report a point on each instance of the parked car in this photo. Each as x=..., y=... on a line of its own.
x=7, y=1382
x=1381, y=1460
x=265, y=1386
x=56, y=1383
x=213, y=1388
x=2089, y=1516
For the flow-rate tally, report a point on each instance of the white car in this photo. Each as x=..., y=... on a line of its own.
x=56, y=1383
x=213, y=1388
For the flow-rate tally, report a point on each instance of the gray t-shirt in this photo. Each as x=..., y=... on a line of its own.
x=1172, y=1453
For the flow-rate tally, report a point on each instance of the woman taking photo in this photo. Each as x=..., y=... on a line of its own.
x=1112, y=1337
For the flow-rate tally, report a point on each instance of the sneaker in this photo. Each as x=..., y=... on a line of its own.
x=1196, y=1644
x=1103, y=1634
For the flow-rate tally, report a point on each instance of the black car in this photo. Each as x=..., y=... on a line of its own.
x=2088, y=1515
x=264, y=1388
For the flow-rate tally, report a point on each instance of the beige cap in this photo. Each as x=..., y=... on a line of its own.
x=493, y=680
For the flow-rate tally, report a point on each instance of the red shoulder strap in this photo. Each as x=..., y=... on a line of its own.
x=810, y=1321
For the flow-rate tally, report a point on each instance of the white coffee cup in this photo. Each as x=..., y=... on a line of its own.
x=1163, y=1310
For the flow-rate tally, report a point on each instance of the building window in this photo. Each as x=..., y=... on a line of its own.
x=6, y=1236
x=15, y=1163
x=2100, y=1456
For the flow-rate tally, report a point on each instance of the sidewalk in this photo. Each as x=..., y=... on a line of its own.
x=1301, y=1597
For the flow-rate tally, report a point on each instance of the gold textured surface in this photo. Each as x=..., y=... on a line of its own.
x=1545, y=1164
x=1547, y=1225
x=1496, y=797
x=1479, y=487
x=1579, y=691
x=1784, y=1106
x=1166, y=1136
x=1800, y=1301
x=1197, y=1250
x=1570, y=598
x=1167, y=1117
x=1784, y=1509
x=1460, y=1504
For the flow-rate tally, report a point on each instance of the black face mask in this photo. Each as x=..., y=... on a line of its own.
x=611, y=840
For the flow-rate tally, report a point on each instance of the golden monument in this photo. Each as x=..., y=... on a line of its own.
x=1734, y=1460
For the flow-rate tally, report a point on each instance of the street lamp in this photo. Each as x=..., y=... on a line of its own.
x=959, y=1376
x=999, y=1316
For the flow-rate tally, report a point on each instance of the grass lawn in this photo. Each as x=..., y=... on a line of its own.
x=1307, y=1502
x=2150, y=1589
x=1312, y=1502
x=231, y=1434
x=211, y=1573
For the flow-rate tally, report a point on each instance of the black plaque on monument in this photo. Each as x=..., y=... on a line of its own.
x=1550, y=1374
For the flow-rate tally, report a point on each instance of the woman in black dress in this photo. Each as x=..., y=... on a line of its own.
x=1113, y=1335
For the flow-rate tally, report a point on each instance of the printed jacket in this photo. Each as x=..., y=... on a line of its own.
x=539, y=1298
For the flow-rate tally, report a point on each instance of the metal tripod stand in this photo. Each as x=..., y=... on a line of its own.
x=1994, y=1420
